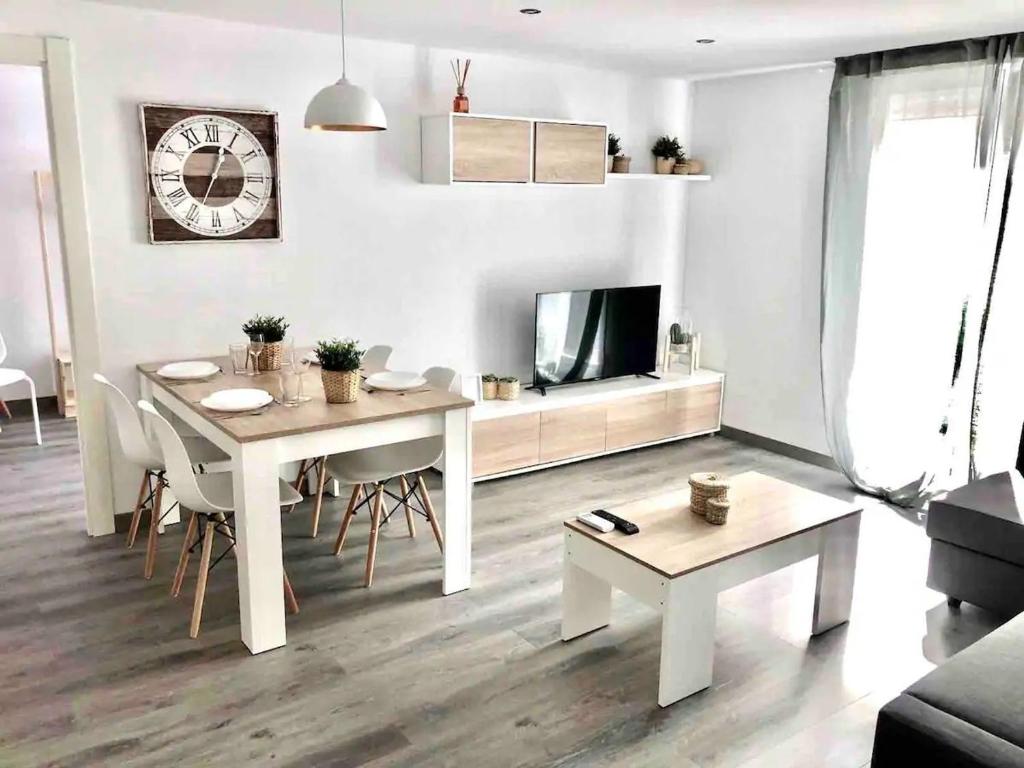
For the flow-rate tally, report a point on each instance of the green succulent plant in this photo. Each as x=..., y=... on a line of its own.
x=509, y=379
x=339, y=355
x=614, y=144
x=676, y=334
x=666, y=147
x=272, y=328
x=489, y=377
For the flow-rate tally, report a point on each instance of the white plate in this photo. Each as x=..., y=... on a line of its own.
x=395, y=381
x=236, y=400
x=188, y=369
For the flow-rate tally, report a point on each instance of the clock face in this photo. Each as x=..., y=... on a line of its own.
x=212, y=174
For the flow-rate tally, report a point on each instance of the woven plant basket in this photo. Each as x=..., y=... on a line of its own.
x=490, y=390
x=705, y=486
x=270, y=356
x=717, y=511
x=340, y=386
x=508, y=390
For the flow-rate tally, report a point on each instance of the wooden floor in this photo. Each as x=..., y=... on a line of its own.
x=96, y=667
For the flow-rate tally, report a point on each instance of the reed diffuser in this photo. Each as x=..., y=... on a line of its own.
x=461, y=101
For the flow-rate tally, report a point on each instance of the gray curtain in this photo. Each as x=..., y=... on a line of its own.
x=922, y=146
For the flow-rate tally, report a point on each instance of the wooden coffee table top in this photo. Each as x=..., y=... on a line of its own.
x=673, y=541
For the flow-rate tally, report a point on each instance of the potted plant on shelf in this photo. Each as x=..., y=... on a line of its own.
x=489, y=384
x=508, y=388
x=614, y=149
x=273, y=330
x=665, y=151
x=339, y=369
x=682, y=166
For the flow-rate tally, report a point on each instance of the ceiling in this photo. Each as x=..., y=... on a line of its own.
x=645, y=36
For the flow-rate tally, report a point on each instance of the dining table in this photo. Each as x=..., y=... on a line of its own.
x=260, y=442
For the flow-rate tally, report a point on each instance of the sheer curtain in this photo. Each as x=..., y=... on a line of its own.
x=920, y=276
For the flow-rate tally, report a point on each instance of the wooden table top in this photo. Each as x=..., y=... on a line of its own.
x=673, y=541
x=312, y=416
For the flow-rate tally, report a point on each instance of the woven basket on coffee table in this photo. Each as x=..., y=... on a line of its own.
x=705, y=486
x=717, y=511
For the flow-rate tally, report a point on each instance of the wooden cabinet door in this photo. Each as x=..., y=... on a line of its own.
x=636, y=420
x=569, y=432
x=694, y=409
x=566, y=153
x=506, y=443
x=486, y=149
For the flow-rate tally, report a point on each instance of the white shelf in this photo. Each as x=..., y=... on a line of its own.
x=677, y=176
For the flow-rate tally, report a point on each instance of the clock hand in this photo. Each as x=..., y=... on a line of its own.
x=216, y=171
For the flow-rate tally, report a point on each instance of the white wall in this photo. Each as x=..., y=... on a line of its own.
x=447, y=275
x=24, y=148
x=753, y=247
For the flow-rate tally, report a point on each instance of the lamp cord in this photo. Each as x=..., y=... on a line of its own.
x=343, y=62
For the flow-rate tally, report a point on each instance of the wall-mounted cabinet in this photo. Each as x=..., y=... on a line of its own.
x=475, y=149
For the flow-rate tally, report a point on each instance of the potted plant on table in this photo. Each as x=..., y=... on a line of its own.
x=665, y=151
x=489, y=384
x=339, y=369
x=508, y=388
x=614, y=149
x=273, y=330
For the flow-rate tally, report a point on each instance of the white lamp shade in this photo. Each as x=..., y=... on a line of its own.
x=345, y=107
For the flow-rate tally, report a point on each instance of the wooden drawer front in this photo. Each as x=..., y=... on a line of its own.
x=500, y=445
x=565, y=153
x=636, y=420
x=569, y=432
x=490, y=150
x=694, y=409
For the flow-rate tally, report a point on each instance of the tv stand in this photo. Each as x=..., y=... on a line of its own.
x=548, y=426
x=648, y=376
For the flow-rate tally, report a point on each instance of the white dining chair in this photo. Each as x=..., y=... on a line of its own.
x=203, y=455
x=13, y=376
x=375, y=467
x=375, y=359
x=210, y=499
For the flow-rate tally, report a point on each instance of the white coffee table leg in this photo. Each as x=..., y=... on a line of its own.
x=837, y=565
x=586, y=599
x=687, y=637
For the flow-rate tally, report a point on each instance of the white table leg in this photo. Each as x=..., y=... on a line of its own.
x=586, y=599
x=458, y=500
x=258, y=538
x=837, y=564
x=687, y=637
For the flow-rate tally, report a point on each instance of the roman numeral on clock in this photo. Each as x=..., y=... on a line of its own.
x=239, y=218
x=176, y=197
x=254, y=178
x=248, y=156
x=193, y=213
x=170, y=176
x=212, y=133
x=176, y=153
x=250, y=197
x=189, y=134
x=215, y=219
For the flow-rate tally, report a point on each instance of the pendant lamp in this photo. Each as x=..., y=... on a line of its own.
x=343, y=106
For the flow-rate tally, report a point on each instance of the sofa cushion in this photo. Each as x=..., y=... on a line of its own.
x=983, y=685
x=986, y=516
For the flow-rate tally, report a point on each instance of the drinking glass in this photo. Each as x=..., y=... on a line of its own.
x=301, y=368
x=288, y=351
x=291, y=382
x=239, y=354
x=255, y=347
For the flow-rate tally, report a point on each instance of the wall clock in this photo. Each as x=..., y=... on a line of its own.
x=212, y=174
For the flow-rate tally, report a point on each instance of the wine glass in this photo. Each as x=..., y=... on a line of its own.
x=255, y=347
x=301, y=368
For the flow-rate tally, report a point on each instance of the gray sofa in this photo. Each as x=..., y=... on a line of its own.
x=968, y=713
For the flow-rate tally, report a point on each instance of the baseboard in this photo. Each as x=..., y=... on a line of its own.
x=47, y=405
x=777, y=446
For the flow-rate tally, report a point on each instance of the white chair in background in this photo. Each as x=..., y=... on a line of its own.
x=138, y=449
x=13, y=376
x=375, y=359
x=376, y=466
x=210, y=498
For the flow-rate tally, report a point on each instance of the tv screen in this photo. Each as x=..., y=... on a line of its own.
x=598, y=334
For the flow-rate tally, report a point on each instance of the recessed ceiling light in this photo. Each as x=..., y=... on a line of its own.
x=529, y=11
x=705, y=41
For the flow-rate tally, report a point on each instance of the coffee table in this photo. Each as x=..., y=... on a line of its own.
x=678, y=563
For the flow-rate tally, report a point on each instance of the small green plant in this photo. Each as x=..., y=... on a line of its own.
x=676, y=334
x=681, y=156
x=509, y=379
x=489, y=377
x=666, y=147
x=339, y=355
x=614, y=145
x=272, y=328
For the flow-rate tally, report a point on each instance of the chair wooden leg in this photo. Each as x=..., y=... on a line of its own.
x=299, y=482
x=404, y=485
x=429, y=508
x=371, y=552
x=179, y=573
x=6, y=410
x=321, y=480
x=289, y=596
x=346, y=520
x=154, y=523
x=133, y=529
x=204, y=572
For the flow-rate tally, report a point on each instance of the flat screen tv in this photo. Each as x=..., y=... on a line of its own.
x=595, y=334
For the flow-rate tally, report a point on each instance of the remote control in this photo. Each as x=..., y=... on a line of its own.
x=625, y=526
x=589, y=518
